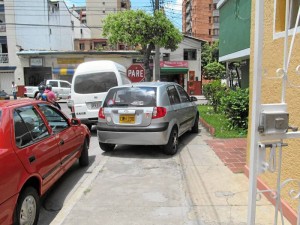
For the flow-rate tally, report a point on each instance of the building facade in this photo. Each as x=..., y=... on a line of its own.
x=200, y=19
x=183, y=65
x=49, y=25
x=97, y=10
x=234, y=39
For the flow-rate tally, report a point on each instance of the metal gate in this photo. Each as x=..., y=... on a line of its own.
x=270, y=125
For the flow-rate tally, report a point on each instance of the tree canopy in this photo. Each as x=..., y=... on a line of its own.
x=139, y=29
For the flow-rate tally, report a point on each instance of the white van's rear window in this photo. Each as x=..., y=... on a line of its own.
x=95, y=82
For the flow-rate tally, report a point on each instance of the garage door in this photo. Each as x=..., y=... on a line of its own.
x=5, y=81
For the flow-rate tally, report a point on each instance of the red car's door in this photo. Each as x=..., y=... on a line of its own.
x=69, y=138
x=35, y=146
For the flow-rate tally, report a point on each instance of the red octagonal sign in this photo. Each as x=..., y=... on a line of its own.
x=136, y=73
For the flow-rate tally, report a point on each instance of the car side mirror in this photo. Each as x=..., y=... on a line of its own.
x=75, y=121
x=193, y=99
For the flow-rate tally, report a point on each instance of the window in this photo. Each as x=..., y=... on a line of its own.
x=56, y=120
x=209, y=19
x=166, y=56
x=280, y=14
x=134, y=96
x=81, y=46
x=65, y=84
x=190, y=54
x=209, y=32
x=209, y=6
x=173, y=95
x=183, y=95
x=215, y=31
x=28, y=125
x=216, y=19
x=53, y=83
x=95, y=82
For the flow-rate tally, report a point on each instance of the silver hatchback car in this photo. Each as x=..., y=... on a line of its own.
x=147, y=113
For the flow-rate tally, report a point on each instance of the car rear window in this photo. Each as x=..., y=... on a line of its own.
x=95, y=82
x=131, y=96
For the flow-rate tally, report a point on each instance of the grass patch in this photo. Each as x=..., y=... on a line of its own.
x=219, y=122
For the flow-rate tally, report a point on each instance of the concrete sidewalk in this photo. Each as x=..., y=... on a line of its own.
x=203, y=191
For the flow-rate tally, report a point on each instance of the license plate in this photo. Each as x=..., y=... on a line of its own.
x=127, y=118
x=94, y=105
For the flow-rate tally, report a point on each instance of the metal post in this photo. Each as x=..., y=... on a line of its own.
x=256, y=101
x=287, y=24
x=156, y=71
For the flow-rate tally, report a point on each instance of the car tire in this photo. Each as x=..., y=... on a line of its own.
x=84, y=157
x=171, y=147
x=195, y=128
x=28, y=207
x=107, y=147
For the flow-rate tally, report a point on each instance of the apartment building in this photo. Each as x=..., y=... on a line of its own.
x=200, y=19
x=97, y=10
x=34, y=25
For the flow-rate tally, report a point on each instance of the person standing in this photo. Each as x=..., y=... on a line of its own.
x=14, y=89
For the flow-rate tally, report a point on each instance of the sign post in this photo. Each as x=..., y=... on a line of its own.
x=136, y=73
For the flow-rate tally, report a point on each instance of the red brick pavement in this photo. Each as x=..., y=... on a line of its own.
x=232, y=152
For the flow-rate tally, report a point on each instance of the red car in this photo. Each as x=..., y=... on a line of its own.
x=38, y=143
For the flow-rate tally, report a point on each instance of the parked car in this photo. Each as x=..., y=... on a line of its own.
x=38, y=143
x=154, y=113
x=4, y=95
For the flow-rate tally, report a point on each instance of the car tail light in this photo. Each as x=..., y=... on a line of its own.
x=101, y=113
x=159, y=112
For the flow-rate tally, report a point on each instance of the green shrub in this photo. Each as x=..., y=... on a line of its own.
x=213, y=92
x=235, y=106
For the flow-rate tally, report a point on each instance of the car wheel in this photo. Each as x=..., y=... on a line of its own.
x=28, y=207
x=195, y=128
x=84, y=157
x=172, y=146
x=107, y=147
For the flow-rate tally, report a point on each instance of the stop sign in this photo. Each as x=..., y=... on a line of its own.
x=136, y=73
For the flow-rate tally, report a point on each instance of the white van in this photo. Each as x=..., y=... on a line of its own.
x=90, y=84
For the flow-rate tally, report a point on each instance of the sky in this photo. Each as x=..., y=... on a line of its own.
x=172, y=8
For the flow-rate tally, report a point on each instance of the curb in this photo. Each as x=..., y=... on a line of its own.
x=208, y=127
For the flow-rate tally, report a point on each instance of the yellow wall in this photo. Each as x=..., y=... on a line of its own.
x=271, y=93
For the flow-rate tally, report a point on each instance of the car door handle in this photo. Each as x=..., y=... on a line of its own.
x=61, y=142
x=31, y=159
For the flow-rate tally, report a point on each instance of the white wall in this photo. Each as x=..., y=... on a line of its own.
x=177, y=55
x=28, y=27
x=42, y=36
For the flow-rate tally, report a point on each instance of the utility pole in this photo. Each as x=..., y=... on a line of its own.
x=156, y=71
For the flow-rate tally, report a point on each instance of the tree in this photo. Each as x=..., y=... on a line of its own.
x=142, y=30
x=214, y=71
x=210, y=53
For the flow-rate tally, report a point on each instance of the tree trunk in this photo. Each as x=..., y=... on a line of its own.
x=146, y=54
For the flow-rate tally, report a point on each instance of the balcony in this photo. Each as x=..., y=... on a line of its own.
x=216, y=13
x=3, y=58
x=188, y=18
x=188, y=8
